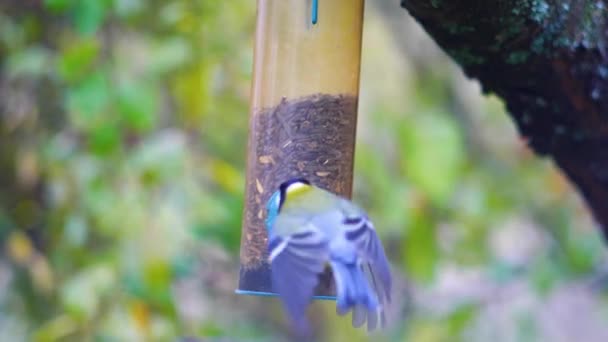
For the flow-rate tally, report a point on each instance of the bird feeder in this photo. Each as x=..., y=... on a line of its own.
x=303, y=115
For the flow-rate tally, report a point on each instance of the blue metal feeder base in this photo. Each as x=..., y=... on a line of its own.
x=256, y=281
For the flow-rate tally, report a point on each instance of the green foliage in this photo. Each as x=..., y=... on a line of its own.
x=31, y=62
x=432, y=154
x=420, y=251
x=77, y=59
x=122, y=162
x=131, y=190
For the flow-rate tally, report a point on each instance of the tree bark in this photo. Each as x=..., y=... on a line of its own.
x=547, y=60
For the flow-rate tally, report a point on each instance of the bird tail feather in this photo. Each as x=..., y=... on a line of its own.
x=353, y=291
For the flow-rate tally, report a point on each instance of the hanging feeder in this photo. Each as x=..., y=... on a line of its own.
x=303, y=115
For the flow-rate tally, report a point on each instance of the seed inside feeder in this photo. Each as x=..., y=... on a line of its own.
x=311, y=137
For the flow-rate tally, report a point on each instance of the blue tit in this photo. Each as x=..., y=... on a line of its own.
x=310, y=228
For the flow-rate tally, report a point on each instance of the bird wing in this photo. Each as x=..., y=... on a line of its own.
x=361, y=232
x=296, y=261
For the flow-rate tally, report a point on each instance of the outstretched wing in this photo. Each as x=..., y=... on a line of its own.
x=296, y=261
x=360, y=231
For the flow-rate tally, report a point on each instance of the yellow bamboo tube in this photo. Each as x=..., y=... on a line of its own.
x=303, y=114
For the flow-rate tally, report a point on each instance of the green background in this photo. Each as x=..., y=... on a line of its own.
x=122, y=186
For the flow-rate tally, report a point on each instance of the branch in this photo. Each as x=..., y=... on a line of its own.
x=548, y=61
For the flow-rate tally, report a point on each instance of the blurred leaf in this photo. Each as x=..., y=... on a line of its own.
x=172, y=12
x=58, y=5
x=42, y=275
x=160, y=156
x=56, y=329
x=98, y=198
x=528, y=331
x=578, y=253
x=125, y=8
x=444, y=328
x=78, y=58
x=88, y=100
x=158, y=275
x=379, y=191
x=75, y=231
x=88, y=15
x=105, y=138
x=458, y=320
x=152, y=284
x=420, y=250
x=168, y=55
x=545, y=275
x=19, y=247
x=210, y=330
x=429, y=331
x=82, y=293
x=503, y=272
x=183, y=265
x=131, y=115
x=224, y=228
x=583, y=253
x=141, y=315
x=134, y=284
x=227, y=176
x=432, y=154
x=191, y=89
x=33, y=62
x=137, y=103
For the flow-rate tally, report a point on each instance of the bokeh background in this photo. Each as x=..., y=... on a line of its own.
x=122, y=149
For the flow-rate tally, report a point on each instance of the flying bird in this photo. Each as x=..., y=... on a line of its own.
x=310, y=228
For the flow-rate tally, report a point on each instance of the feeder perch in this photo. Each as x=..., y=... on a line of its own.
x=303, y=115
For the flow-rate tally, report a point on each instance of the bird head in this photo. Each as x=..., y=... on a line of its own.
x=275, y=203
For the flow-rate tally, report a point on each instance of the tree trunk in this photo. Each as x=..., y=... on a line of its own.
x=547, y=60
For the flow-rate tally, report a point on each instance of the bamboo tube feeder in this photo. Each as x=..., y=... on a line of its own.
x=303, y=114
